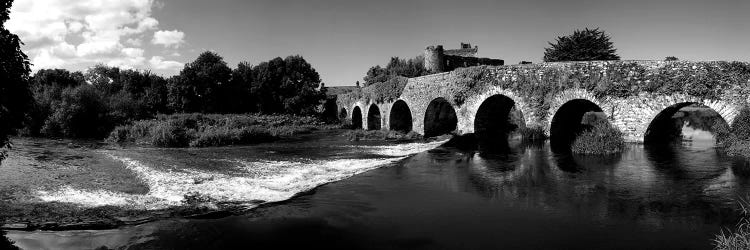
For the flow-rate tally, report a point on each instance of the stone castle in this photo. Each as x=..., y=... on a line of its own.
x=437, y=59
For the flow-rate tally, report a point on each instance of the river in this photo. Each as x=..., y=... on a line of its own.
x=322, y=190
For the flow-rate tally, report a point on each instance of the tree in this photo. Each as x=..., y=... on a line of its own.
x=289, y=85
x=413, y=67
x=15, y=97
x=47, y=87
x=196, y=88
x=671, y=58
x=237, y=96
x=582, y=45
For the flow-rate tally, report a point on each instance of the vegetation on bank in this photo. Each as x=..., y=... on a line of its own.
x=208, y=130
x=601, y=138
x=91, y=104
x=738, y=237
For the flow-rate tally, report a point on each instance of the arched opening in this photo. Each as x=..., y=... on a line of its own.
x=373, y=118
x=400, y=118
x=567, y=122
x=687, y=123
x=342, y=114
x=357, y=118
x=496, y=118
x=329, y=109
x=440, y=118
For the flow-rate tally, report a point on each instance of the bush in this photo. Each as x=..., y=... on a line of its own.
x=738, y=142
x=600, y=139
x=169, y=134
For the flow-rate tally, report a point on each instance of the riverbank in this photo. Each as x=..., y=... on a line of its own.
x=209, y=130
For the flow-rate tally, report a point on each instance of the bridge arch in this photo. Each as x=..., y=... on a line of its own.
x=373, y=117
x=356, y=118
x=566, y=122
x=440, y=118
x=496, y=118
x=664, y=129
x=343, y=114
x=400, y=118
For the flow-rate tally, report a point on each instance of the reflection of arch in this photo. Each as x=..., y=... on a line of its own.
x=440, y=118
x=400, y=117
x=666, y=128
x=495, y=119
x=342, y=114
x=373, y=118
x=566, y=123
x=357, y=118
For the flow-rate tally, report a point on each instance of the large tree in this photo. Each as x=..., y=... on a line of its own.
x=196, y=88
x=15, y=96
x=582, y=45
x=287, y=85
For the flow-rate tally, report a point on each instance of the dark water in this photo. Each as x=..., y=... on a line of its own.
x=675, y=197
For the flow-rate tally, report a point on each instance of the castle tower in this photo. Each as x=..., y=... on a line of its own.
x=433, y=59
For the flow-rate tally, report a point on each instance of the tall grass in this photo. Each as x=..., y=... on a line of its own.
x=739, y=238
x=205, y=130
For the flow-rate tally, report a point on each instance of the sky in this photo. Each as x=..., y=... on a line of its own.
x=343, y=38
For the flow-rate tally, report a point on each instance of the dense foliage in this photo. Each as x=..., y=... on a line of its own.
x=738, y=142
x=203, y=130
x=91, y=104
x=286, y=86
x=582, y=45
x=396, y=67
x=600, y=139
x=196, y=88
x=14, y=74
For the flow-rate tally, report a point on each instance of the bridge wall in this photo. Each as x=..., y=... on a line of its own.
x=631, y=93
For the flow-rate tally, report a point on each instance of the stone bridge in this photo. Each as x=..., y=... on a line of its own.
x=635, y=96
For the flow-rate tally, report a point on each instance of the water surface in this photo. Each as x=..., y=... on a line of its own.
x=400, y=196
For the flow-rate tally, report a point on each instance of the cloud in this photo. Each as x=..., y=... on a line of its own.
x=81, y=33
x=173, y=38
x=157, y=62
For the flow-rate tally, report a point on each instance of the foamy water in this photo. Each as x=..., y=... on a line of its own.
x=260, y=181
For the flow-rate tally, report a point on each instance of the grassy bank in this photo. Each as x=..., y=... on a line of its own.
x=206, y=130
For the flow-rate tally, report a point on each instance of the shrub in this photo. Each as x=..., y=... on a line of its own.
x=169, y=134
x=602, y=138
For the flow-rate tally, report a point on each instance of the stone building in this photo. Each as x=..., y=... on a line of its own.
x=437, y=59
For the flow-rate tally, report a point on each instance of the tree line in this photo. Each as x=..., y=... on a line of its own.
x=89, y=104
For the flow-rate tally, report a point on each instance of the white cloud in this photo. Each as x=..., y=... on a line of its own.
x=157, y=62
x=169, y=38
x=64, y=33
